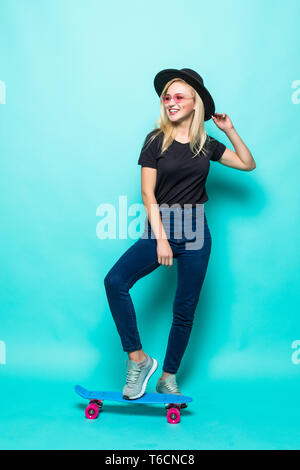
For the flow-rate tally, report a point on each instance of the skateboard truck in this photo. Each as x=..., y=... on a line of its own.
x=95, y=406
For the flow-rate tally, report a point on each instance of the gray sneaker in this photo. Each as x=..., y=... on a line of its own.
x=137, y=378
x=169, y=385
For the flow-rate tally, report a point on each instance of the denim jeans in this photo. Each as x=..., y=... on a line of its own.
x=191, y=246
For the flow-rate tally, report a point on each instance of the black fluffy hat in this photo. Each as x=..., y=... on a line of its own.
x=193, y=79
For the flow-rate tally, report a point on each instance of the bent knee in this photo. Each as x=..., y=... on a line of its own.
x=113, y=281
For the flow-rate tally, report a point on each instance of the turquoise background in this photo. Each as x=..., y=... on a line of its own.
x=77, y=101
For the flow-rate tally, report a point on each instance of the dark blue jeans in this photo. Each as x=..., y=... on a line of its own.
x=190, y=240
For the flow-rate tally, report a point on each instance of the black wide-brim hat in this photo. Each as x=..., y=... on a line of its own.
x=193, y=79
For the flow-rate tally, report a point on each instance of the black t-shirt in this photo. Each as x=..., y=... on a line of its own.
x=180, y=178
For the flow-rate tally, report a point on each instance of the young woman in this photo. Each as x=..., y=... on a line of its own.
x=175, y=161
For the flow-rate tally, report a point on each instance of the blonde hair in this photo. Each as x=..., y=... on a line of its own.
x=164, y=126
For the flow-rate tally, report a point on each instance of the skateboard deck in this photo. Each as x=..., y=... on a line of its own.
x=173, y=402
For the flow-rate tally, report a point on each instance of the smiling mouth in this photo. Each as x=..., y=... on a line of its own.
x=173, y=111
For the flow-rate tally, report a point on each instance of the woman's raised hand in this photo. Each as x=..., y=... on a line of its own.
x=223, y=121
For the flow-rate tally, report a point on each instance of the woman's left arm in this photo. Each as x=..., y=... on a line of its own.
x=242, y=158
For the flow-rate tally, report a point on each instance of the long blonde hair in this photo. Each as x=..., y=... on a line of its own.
x=164, y=126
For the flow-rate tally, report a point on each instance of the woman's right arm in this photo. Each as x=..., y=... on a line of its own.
x=148, y=181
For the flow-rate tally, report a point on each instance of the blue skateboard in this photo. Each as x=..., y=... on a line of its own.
x=173, y=403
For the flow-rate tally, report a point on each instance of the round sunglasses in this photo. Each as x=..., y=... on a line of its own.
x=178, y=98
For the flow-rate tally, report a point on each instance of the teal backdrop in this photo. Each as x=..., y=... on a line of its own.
x=77, y=99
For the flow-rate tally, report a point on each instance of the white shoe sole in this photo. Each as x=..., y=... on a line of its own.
x=151, y=371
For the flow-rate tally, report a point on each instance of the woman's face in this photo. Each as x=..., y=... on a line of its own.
x=185, y=107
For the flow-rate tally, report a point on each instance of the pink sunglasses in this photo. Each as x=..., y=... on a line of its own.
x=178, y=98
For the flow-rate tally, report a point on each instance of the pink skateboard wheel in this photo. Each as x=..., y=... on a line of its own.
x=92, y=411
x=173, y=415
